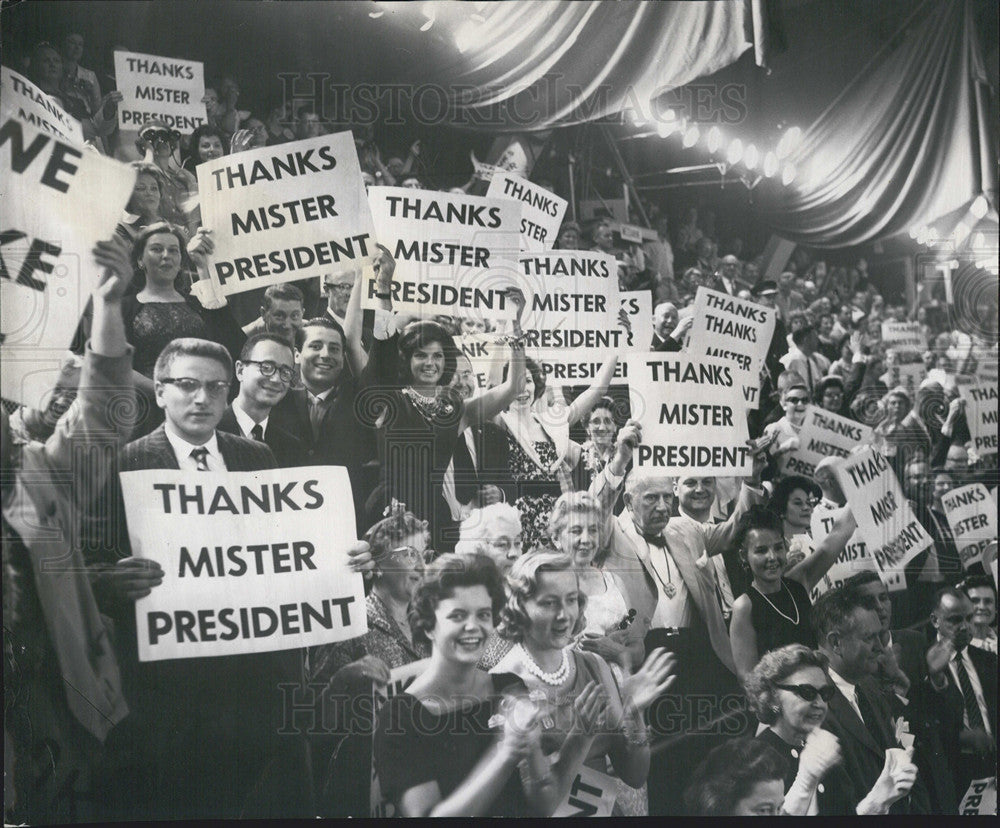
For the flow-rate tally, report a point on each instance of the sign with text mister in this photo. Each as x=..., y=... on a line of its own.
x=21, y=99
x=253, y=562
x=158, y=88
x=972, y=516
x=58, y=201
x=893, y=536
x=692, y=413
x=455, y=254
x=541, y=210
x=278, y=214
x=736, y=330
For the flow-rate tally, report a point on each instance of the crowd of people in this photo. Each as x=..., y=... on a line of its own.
x=577, y=625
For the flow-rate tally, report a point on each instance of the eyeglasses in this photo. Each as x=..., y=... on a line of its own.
x=797, y=400
x=190, y=387
x=411, y=553
x=808, y=693
x=339, y=288
x=268, y=369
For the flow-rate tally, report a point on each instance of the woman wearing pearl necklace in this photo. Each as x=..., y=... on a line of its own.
x=543, y=615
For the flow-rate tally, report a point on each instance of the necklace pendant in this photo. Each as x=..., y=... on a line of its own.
x=670, y=590
x=547, y=722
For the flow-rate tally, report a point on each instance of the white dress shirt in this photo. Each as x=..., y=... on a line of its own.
x=977, y=686
x=849, y=690
x=182, y=450
x=246, y=422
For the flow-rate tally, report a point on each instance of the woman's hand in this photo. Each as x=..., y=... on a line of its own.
x=201, y=247
x=820, y=753
x=359, y=676
x=591, y=708
x=241, y=141
x=113, y=256
x=897, y=778
x=384, y=266
x=109, y=103
x=359, y=558
x=608, y=647
x=650, y=681
x=521, y=731
x=133, y=578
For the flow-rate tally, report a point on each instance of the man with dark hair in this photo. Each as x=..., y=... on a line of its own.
x=265, y=370
x=805, y=359
x=280, y=313
x=849, y=634
x=967, y=678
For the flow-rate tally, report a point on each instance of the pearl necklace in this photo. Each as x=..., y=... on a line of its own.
x=555, y=678
x=762, y=595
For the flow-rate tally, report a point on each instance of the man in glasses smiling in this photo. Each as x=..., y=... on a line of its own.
x=265, y=370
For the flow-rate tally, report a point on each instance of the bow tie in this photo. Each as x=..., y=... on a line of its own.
x=655, y=538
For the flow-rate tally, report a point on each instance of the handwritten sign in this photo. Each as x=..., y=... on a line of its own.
x=853, y=559
x=893, y=535
x=58, y=201
x=692, y=414
x=249, y=565
x=160, y=89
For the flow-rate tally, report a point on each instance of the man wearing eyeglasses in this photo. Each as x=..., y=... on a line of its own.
x=785, y=432
x=266, y=371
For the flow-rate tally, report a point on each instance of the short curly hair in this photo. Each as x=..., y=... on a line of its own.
x=729, y=773
x=389, y=532
x=773, y=668
x=537, y=375
x=441, y=579
x=419, y=335
x=476, y=530
x=778, y=502
x=522, y=584
x=577, y=503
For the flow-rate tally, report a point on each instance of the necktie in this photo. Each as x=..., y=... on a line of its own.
x=200, y=456
x=257, y=433
x=869, y=718
x=316, y=411
x=969, y=695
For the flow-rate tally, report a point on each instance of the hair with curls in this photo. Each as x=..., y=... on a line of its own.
x=729, y=773
x=476, y=530
x=978, y=582
x=757, y=516
x=420, y=335
x=522, y=584
x=390, y=531
x=778, y=502
x=283, y=292
x=577, y=503
x=772, y=669
x=441, y=579
x=537, y=375
x=196, y=136
x=603, y=404
x=139, y=246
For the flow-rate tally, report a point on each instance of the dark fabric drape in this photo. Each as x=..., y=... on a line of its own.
x=909, y=141
x=538, y=64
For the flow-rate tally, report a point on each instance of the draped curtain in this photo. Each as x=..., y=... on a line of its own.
x=909, y=141
x=536, y=64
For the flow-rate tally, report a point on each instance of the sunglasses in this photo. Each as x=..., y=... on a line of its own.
x=808, y=693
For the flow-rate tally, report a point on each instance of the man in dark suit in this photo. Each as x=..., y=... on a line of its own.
x=860, y=713
x=322, y=412
x=966, y=676
x=265, y=370
x=665, y=319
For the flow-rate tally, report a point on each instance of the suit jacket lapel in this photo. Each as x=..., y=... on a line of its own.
x=851, y=721
x=161, y=452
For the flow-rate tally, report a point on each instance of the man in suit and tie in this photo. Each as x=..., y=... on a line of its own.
x=322, y=411
x=205, y=736
x=727, y=280
x=860, y=713
x=966, y=676
x=280, y=313
x=664, y=564
x=665, y=319
x=265, y=370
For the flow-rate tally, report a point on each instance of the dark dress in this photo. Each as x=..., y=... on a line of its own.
x=537, y=491
x=835, y=792
x=414, y=745
x=775, y=630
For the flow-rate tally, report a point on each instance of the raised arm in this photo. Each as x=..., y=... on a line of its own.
x=810, y=569
x=357, y=358
x=491, y=402
x=744, y=637
x=719, y=537
x=582, y=405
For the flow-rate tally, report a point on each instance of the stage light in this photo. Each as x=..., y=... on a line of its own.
x=691, y=135
x=375, y=15
x=770, y=164
x=714, y=140
x=788, y=174
x=922, y=235
x=751, y=157
x=913, y=232
x=430, y=15
x=465, y=36
x=666, y=129
x=735, y=152
x=980, y=206
x=789, y=141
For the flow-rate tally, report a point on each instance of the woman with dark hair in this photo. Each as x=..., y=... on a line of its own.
x=205, y=144
x=435, y=754
x=543, y=458
x=349, y=670
x=741, y=777
x=599, y=447
x=793, y=500
x=417, y=414
x=790, y=690
x=775, y=609
x=543, y=615
x=983, y=594
x=159, y=144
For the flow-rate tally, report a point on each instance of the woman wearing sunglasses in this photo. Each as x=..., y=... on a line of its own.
x=775, y=609
x=789, y=690
x=350, y=669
